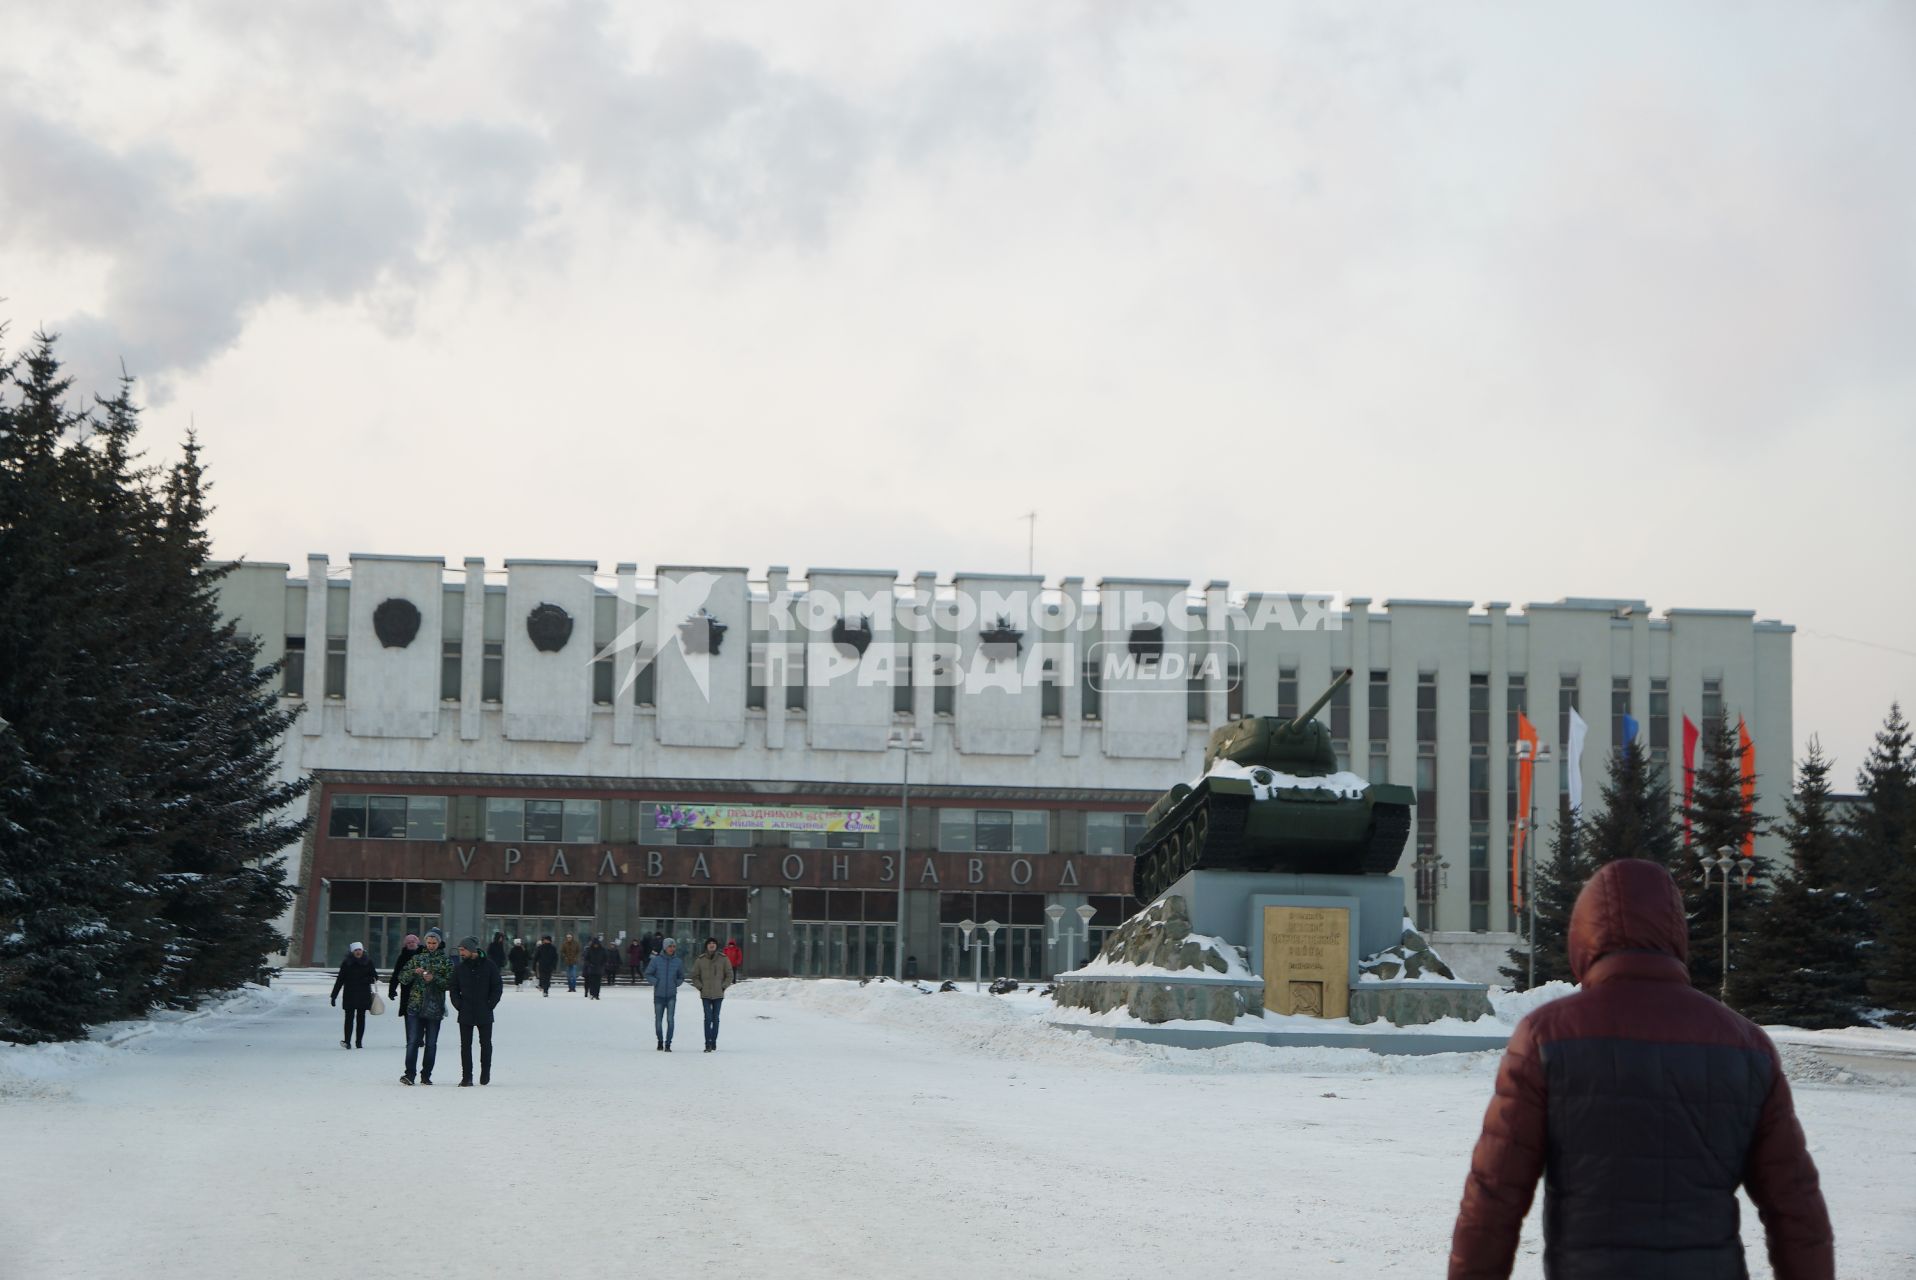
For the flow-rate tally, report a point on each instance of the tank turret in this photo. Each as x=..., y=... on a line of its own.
x=1272, y=799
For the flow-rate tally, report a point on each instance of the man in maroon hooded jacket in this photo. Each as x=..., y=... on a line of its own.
x=1644, y=1104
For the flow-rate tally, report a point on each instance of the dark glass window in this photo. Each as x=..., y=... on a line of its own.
x=385, y=817
x=1379, y=706
x=1287, y=707
x=545, y=820
x=492, y=672
x=542, y=900
x=1619, y=708
x=348, y=895
x=450, y=670
x=577, y=900
x=293, y=673
x=1427, y=709
x=503, y=899
x=348, y=817
x=994, y=831
x=335, y=666
x=811, y=904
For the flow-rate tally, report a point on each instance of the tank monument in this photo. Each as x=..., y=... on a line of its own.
x=1273, y=913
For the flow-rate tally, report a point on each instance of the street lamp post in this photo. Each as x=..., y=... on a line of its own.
x=1721, y=864
x=902, y=741
x=1085, y=912
x=1529, y=823
x=1432, y=875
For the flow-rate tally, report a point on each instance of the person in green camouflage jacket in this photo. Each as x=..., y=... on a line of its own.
x=427, y=976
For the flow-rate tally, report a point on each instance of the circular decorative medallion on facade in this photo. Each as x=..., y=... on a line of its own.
x=396, y=622
x=853, y=637
x=1147, y=642
x=549, y=627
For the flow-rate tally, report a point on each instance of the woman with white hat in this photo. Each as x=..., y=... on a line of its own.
x=356, y=978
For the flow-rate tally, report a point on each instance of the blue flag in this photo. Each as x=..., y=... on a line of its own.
x=1629, y=734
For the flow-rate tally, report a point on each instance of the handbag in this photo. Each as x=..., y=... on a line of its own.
x=379, y=1004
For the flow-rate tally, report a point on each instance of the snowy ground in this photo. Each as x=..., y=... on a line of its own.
x=840, y=1131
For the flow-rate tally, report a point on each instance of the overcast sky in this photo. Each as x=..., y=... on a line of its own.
x=1480, y=302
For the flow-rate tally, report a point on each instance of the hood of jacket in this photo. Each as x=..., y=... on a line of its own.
x=1630, y=905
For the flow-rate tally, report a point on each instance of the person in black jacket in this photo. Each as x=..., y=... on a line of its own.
x=496, y=951
x=521, y=961
x=356, y=978
x=594, y=968
x=475, y=991
x=397, y=992
x=544, y=961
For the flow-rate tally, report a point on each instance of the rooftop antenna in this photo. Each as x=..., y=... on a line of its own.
x=1031, y=540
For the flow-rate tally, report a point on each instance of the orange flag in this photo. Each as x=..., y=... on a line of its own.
x=1526, y=765
x=1748, y=749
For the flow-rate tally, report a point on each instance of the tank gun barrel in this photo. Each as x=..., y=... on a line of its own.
x=1323, y=699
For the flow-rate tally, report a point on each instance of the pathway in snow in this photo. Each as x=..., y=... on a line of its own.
x=840, y=1131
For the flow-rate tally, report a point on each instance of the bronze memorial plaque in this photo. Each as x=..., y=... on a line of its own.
x=1307, y=961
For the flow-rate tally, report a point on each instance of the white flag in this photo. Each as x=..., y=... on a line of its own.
x=1575, y=764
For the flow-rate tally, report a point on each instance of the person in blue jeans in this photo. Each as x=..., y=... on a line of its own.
x=711, y=975
x=665, y=971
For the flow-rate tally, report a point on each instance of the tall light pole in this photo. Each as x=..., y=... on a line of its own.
x=906, y=742
x=1085, y=912
x=1529, y=823
x=1722, y=863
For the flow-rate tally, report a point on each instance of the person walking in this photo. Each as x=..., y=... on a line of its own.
x=521, y=961
x=496, y=951
x=428, y=975
x=635, y=960
x=594, y=968
x=1644, y=1104
x=398, y=994
x=711, y=974
x=544, y=960
x=475, y=991
x=736, y=954
x=613, y=963
x=569, y=957
x=665, y=971
x=356, y=978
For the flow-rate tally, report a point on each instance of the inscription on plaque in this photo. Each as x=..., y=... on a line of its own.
x=1307, y=961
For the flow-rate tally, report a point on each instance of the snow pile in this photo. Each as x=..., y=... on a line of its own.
x=1511, y=1006
x=45, y=1070
x=1412, y=959
x=1266, y=782
x=1016, y=1028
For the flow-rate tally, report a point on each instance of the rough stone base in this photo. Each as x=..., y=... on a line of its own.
x=1160, y=935
x=1164, y=1000
x=1412, y=1004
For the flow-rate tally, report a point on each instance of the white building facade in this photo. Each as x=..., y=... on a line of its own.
x=1038, y=720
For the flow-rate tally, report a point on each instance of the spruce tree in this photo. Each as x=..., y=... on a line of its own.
x=1803, y=963
x=1720, y=824
x=1636, y=821
x=1881, y=845
x=140, y=800
x=215, y=742
x=71, y=918
x=1880, y=826
x=1559, y=878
